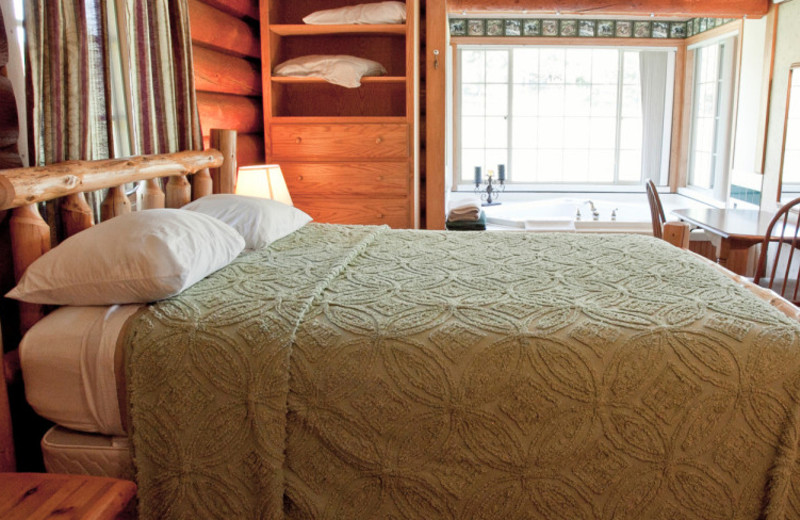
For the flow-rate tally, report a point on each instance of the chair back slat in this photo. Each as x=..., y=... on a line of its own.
x=779, y=246
x=656, y=209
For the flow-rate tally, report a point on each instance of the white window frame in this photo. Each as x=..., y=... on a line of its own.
x=567, y=187
x=790, y=190
x=720, y=190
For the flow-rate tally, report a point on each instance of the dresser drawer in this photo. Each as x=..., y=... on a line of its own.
x=376, y=179
x=339, y=141
x=393, y=212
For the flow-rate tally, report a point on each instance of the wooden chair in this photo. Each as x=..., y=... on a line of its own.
x=656, y=210
x=676, y=233
x=777, y=267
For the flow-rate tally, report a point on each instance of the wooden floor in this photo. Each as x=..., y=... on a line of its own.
x=65, y=497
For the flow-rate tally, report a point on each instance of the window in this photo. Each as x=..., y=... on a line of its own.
x=563, y=115
x=712, y=92
x=790, y=167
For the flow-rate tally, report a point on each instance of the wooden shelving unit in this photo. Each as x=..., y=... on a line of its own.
x=311, y=30
x=349, y=155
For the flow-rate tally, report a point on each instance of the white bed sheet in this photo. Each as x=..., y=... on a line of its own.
x=68, y=367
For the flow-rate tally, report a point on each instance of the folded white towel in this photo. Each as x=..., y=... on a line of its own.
x=554, y=224
x=464, y=207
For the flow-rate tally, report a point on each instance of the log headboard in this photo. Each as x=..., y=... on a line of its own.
x=22, y=188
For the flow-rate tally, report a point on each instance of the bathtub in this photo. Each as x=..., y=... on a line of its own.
x=561, y=214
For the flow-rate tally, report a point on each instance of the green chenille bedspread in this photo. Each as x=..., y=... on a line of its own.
x=363, y=373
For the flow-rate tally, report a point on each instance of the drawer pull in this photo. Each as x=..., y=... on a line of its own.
x=299, y=177
x=380, y=215
x=298, y=140
x=379, y=140
x=379, y=178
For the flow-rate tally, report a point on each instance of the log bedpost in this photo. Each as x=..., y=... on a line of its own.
x=152, y=195
x=115, y=204
x=8, y=463
x=224, y=177
x=202, y=184
x=30, y=239
x=179, y=191
x=76, y=214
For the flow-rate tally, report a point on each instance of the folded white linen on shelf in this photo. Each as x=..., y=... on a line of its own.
x=374, y=13
x=465, y=207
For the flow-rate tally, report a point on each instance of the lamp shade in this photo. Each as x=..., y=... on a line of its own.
x=265, y=181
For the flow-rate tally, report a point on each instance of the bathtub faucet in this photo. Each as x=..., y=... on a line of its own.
x=595, y=213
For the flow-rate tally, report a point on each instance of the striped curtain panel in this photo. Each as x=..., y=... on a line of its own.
x=157, y=49
x=110, y=78
x=65, y=50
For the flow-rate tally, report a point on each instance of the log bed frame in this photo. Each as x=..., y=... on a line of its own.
x=22, y=188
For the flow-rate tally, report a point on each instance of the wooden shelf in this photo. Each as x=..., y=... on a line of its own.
x=327, y=132
x=312, y=30
x=287, y=80
x=339, y=119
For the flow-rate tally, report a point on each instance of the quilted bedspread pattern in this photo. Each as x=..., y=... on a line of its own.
x=360, y=372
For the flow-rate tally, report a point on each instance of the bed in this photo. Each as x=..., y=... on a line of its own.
x=363, y=372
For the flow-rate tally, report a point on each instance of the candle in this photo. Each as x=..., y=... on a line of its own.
x=501, y=172
x=477, y=175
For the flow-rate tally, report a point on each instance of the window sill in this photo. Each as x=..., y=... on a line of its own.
x=527, y=189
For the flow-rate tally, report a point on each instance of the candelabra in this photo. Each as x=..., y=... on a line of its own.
x=490, y=190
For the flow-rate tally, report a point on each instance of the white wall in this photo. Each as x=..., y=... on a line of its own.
x=745, y=163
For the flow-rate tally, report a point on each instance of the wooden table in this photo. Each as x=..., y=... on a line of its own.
x=63, y=497
x=738, y=230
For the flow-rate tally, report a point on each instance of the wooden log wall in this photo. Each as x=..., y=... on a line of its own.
x=423, y=177
x=227, y=70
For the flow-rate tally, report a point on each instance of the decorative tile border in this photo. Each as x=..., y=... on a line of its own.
x=570, y=28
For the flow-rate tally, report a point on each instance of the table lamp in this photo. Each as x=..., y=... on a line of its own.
x=265, y=181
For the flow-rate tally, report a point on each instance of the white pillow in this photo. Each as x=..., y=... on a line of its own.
x=136, y=258
x=343, y=70
x=380, y=12
x=259, y=221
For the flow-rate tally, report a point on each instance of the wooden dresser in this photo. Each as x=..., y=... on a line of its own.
x=349, y=156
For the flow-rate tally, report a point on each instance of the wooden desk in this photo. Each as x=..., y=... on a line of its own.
x=66, y=497
x=738, y=229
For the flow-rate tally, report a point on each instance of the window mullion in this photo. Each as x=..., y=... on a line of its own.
x=509, y=112
x=717, y=115
x=618, y=131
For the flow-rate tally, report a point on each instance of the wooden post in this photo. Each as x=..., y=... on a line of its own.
x=435, y=117
x=115, y=204
x=202, y=184
x=76, y=214
x=7, y=460
x=153, y=196
x=224, y=177
x=677, y=234
x=30, y=239
x=179, y=191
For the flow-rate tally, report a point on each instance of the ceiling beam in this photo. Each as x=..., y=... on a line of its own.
x=692, y=8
